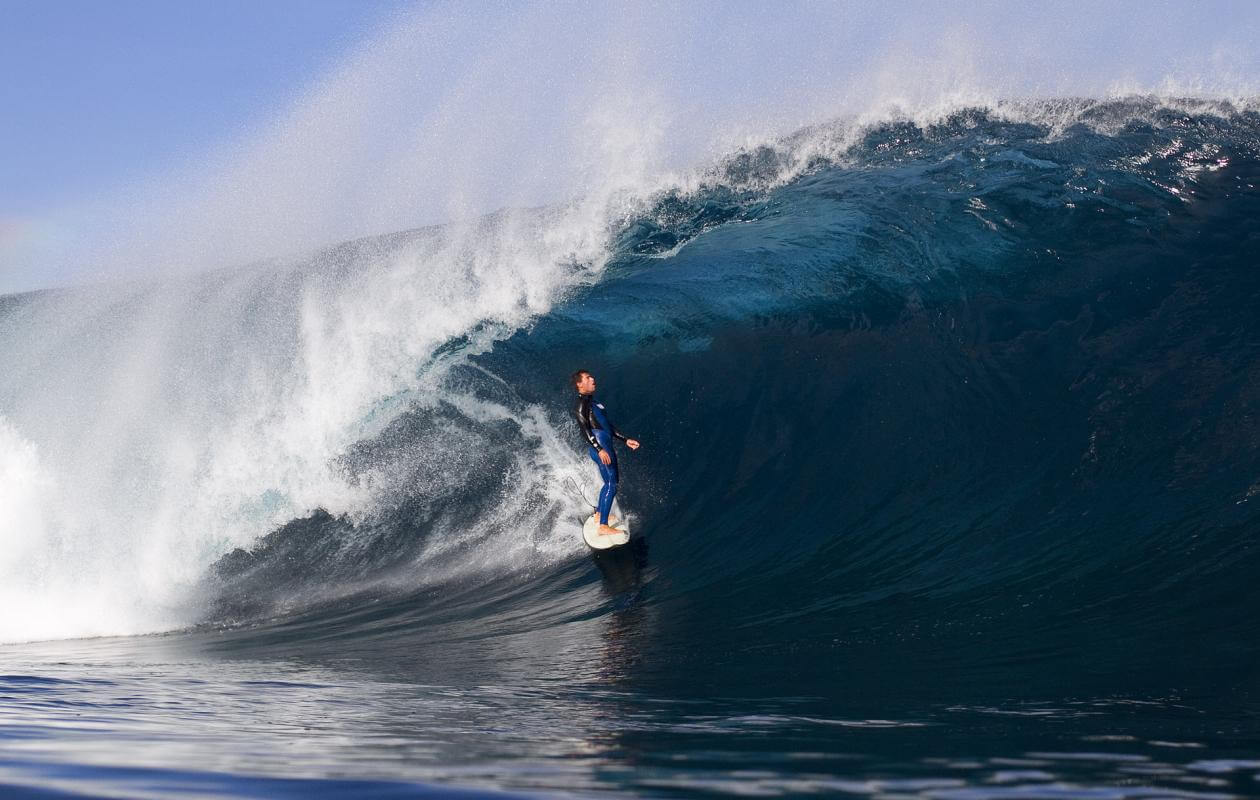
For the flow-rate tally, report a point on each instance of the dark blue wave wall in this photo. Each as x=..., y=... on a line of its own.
x=979, y=393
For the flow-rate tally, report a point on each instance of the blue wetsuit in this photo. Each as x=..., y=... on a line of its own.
x=599, y=433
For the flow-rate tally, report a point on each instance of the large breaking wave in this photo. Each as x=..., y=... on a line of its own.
x=993, y=373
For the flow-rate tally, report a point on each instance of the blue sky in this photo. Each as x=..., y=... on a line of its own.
x=182, y=135
x=97, y=90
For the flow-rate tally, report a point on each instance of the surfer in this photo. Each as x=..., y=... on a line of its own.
x=599, y=433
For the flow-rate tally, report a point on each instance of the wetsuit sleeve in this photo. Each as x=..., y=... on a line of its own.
x=606, y=423
x=618, y=435
x=584, y=422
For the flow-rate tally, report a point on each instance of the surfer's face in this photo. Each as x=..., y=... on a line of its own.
x=587, y=384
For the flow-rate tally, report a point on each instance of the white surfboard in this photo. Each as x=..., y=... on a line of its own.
x=590, y=532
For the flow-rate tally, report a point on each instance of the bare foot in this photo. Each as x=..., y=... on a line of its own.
x=608, y=530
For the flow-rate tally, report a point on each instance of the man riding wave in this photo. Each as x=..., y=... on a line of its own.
x=600, y=433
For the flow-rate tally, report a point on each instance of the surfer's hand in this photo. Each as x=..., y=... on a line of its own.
x=633, y=444
x=604, y=458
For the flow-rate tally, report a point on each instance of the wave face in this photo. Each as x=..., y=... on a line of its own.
x=989, y=380
x=986, y=388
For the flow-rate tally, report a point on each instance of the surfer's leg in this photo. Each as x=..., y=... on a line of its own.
x=606, y=495
x=609, y=474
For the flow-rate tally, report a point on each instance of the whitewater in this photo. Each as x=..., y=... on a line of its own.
x=947, y=392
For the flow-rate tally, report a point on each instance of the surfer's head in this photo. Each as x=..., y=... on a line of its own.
x=584, y=381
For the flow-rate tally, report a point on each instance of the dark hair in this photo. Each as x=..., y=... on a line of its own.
x=577, y=376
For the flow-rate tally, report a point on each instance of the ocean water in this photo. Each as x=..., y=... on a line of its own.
x=949, y=487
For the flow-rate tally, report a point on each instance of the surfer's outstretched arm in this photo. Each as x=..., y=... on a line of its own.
x=604, y=421
x=633, y=444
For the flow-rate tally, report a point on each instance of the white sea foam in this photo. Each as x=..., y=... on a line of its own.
x=175, y=418
x=154, y=424
x=178, y=420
